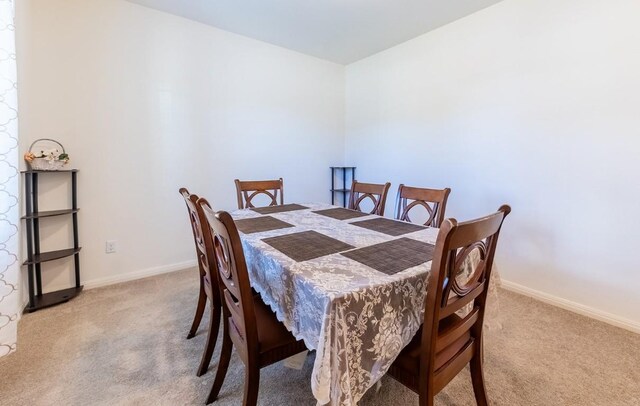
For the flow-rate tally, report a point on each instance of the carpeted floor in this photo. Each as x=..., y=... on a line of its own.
x=125, y=345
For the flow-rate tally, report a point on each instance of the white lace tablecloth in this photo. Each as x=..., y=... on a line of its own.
x=355, y=317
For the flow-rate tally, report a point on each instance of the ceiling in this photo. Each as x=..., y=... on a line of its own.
x=341, y=31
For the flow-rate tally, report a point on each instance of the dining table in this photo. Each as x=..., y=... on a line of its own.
x=351, y=285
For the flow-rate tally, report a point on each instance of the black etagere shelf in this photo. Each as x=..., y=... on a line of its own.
x=35, y=257
x=340, y=172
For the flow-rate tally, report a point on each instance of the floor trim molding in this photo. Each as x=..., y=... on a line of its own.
x=143, y=273
x=584, y=310
x=578, y=308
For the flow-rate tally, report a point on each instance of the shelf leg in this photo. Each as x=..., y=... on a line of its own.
x=344, y=186
x=76, y=259
x=39, y=279
x=74, y=199
x=74, y=193
x=32, y=299
x=36, y=233
x=36, y=222
x=28, y=184
x=333, y=186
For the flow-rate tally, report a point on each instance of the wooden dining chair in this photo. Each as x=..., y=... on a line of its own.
x=249, y=324
x=248, y=189
x=376, y=192
x=209, y=290
x=433, y=200
x=446, y=342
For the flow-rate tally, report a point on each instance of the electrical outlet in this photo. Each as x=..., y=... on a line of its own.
x=110, y=247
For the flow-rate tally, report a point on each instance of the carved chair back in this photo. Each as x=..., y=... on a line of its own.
x=376, y=192
x=234, y=282
x=460, y=274
x=248, y=189
x=433, y=200
x=203, y=244
x=192, y=219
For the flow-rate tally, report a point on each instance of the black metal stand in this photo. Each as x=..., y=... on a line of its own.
x=35, y=258
x=336, y=171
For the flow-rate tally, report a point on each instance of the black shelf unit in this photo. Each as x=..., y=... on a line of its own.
x=35, y=258
x=341, y=172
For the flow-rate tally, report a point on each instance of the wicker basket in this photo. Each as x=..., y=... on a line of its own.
x=44, y=164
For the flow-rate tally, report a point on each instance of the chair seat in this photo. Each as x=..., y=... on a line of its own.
x=409, y=358
x=275, y=342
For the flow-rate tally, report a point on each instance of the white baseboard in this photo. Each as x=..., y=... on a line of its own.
x=584, y=310
x=143, y=273
x=573, y=306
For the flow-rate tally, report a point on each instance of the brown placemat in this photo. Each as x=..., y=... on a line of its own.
x=306, y=245
x=393, y=256
x=260, y=224
x=341, y=213
x=278, y=209
x=388, y=226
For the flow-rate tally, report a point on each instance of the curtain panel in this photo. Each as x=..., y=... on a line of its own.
x=9, y=184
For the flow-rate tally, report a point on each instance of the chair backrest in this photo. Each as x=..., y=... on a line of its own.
x=204, y=245
x=234, y=281
x=248, y=189
x=377, y=193
x=192, y=219
x=433, y=200
x=469, y=246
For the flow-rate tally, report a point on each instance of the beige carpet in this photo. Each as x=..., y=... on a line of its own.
x=125, y=345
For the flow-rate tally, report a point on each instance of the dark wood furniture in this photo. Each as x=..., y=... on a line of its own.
x=377, y=193
x=35, y=258
x=209, y=290
x=250, y=325
x=202, y=296
x=447, y=342
x=433, y=200
x=248, y=189
x=340, y=173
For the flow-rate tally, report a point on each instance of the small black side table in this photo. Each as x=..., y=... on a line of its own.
x=35, y=258
x=341, y=172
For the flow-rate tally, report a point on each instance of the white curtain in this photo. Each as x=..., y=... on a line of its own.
x=9, y=184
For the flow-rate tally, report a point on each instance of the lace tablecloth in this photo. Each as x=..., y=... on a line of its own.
x=357, y=318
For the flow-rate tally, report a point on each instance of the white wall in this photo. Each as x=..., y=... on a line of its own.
x=534, y=103
x=145, y=103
